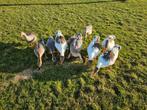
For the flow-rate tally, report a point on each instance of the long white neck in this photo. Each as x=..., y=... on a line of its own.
x=27, y=37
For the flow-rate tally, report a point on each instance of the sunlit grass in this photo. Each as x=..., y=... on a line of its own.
x=69, y=86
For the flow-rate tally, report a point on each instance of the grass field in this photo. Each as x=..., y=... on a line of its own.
x=122, y=86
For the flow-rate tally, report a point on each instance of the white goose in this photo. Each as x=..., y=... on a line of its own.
x=29, y=37
x=39, y=52
x=108, y=58
x=60, y=44
x=108, y=43
x=88, y=30
x=93, y=49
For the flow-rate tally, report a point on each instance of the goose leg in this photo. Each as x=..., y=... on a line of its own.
x=69, y=55
x=81, y=58
x=39, y=61
x=61, y=59
x=54, y=59
x=95, y=71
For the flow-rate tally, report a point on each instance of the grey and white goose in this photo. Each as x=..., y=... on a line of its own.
x=108, y=58
x=88, y=30
x=39, y=51
x=61, y=45
x=108, y=43
x=29, y=37
x=75, y=43
x=51, y=48
x=93, y=49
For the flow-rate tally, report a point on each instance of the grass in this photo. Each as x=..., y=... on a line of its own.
x=69, y=86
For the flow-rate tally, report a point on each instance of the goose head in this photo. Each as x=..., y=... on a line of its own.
x=29, y=37
x=88, y=30
x=96, y=39
x=113, y=53
x=59, y=38
x=22, y=35
x=111, y=37
x=78, y=41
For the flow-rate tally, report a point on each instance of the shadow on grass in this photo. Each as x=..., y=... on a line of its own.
x=61, y=72
x=58, y=4
x=13, y=59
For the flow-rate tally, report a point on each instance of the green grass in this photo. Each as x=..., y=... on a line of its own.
x=69, y=86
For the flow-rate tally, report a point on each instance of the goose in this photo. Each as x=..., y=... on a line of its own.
x=108, y=43
x=88, y=30
x=51, y=47
x=61, y=45
x=108, y=58
x=75, y=43
x=39, y=51
x=29, y=37
x=93, y=49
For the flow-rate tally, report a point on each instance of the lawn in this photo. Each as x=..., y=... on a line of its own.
x=122, y=86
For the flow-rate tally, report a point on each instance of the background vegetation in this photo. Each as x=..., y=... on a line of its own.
x=69, y=86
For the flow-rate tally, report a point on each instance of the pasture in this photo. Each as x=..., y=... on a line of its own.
x=122, y=86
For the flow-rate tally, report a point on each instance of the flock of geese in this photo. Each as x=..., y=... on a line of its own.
x=107, y=56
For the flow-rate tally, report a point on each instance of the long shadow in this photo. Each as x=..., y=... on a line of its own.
x=60, y=72
x=13, y=59
x=57, y=4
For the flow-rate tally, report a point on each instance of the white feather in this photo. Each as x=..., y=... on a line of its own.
x=92, y=51
x=61, y=47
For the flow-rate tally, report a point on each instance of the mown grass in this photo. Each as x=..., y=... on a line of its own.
x=69, y=86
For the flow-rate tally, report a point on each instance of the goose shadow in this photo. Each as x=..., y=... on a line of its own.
x=60, y=72
x=15, y=59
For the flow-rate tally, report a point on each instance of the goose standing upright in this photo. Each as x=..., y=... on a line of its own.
x=51, y=47
x=108, y=58
x=88, y=30
x=39, y=52
x=108, y=43
x=93, y=49
x=75, y=43
x=29, y=37
x=61, y=45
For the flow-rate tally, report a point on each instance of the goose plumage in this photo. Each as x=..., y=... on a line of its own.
x=29, y=37
x=94, y=48
x=108, y=43
x=88, y=30
x=75, y=43
x=51, y=47
x=60, y=44
x=108, y=58
x=39, y=51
